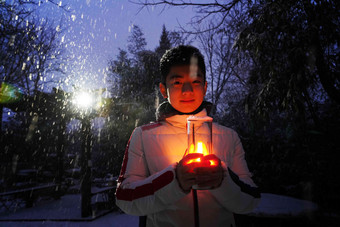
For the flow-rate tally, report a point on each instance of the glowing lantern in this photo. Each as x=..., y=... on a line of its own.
x=199, y=152
x=199, y=131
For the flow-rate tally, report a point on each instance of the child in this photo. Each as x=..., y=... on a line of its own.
x=153, y=180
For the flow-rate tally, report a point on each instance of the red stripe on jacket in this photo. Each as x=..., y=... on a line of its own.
x=151, y=126
x=125, y=160
x=146, y=189
x=126, y=154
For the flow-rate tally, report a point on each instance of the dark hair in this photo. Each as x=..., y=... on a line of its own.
x=180, y=55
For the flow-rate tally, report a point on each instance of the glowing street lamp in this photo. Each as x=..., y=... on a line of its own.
x=83, y=100
x=85, y=104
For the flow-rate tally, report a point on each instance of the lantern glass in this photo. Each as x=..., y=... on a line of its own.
x=199, y=135
x=199, y=145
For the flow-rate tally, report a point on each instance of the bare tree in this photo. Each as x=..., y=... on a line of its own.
x=206, y=11
x=223, y=73
x=29, y=47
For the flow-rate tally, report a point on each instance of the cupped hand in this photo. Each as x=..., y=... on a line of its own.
x=210, y=177
x=185, y=177
x=203, y=177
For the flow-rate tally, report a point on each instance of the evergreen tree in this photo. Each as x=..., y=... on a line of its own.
x=164, y=42
x=136, y=73
x=293, y=46
x=136, y=40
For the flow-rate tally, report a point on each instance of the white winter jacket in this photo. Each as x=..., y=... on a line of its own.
x=148, y=186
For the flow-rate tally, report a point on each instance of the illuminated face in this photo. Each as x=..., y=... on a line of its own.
x=185, y=88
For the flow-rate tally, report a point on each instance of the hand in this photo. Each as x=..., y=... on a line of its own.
x=185, y=177
x=210, y=177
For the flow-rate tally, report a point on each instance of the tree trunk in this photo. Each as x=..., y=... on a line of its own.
x=1, y=112
x=325, y=75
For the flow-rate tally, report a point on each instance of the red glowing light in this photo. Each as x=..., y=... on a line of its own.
x=193, y=160
x=200, y=157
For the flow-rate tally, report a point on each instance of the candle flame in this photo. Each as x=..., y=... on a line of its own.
x=200, y=148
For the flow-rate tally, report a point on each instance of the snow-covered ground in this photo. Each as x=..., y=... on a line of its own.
x=56, y=212
x=272, y=205
x=113, y=219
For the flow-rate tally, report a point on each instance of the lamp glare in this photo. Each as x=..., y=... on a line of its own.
x=83, y=100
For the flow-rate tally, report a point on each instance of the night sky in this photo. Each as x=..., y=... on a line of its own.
x=96, y=29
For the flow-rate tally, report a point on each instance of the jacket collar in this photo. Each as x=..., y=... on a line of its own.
x=181, y=120
x=165, y=110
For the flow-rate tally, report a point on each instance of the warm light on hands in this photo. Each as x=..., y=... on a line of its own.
x=205, y=177
x=209, y=177
x=186, y=179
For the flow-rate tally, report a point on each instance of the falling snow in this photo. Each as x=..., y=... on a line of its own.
x=66, y=94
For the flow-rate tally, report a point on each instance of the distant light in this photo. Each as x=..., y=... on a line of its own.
x=83, y=100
